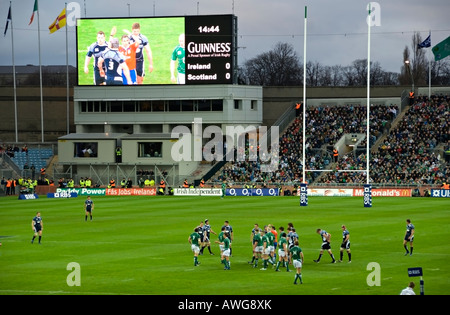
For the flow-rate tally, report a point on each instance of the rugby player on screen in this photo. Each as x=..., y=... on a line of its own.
x=144, y=45
x=178, y=54
x=128, y=50
x=96, y=50
x=115, y=65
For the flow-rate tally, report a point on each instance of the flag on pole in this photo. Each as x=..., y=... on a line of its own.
x=35, y=8
x=8, y=19
x=60, y=22
x=442, y=49
x=426, y=43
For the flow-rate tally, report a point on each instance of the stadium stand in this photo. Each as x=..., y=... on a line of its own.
x=409, y=154
x=406, y=154
x=33, y=156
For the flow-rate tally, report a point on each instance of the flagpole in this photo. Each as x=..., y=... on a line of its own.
x=67, y=71
x=368, y=97
x=304, y=96
x=14, y=75
x=429, y=72
x=40, y=74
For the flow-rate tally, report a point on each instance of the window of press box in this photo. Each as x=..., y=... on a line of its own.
x=85, y=149
x=149, y=149
x=217, y=105
x=154, y=106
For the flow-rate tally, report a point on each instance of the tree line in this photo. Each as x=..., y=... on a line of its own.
x=282, y=66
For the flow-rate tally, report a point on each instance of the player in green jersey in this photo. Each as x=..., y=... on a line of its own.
x=221, y=237
x=224, y=188
x=283, y=252
x=270, y=246
x=266, y=250
x=178, y=54
x=297, y=258
x=226, y=250
x=257, y=246
x=194, y=240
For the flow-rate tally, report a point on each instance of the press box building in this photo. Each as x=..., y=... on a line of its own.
x=140, y=120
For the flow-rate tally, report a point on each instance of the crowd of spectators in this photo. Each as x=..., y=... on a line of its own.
x=325, y=126
x=12, y=149
x=407, y=155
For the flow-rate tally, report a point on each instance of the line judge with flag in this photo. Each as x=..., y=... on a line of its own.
x=59, y=23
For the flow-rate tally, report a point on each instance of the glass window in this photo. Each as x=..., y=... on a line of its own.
x=204, y=105
x=128, y=106
x=174, y=106
x=83, y=106
x=157, y=106
x=145, y=106
x=150, y=149
x=217, y=105
x=116, y=106
x=85, y=149
x=187, y=105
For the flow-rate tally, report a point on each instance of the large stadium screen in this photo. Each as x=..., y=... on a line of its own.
x=156, y=50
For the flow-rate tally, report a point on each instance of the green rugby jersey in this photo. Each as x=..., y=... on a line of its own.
x=178, y=54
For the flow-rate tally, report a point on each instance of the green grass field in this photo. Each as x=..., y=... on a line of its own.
x=138, y=245
x=162, y=34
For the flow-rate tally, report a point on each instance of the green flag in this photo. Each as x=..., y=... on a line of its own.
x=442, y=49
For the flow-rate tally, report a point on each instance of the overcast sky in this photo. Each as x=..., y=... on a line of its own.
x=336, y=30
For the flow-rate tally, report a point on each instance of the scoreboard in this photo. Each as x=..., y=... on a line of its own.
x=210, y=47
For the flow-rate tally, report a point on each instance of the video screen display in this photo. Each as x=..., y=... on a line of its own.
x=156, y=50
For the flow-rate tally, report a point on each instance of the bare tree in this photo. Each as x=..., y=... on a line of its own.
x=440, y=72
x=415, y=66
x=278, y=67
x=313, y=73
x=405, y=75
x=419, y=62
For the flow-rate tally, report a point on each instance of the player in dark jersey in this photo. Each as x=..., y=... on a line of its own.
x=325, y=245
x=115, y=65
x=96, y=50
x=144, y=45
x=292, y=236
x=255, y=231
x=229, y=228
x=37, y=225
x=88, y=207
x=345, y=244
x=206, y=237
x=409, y=237
x=200, y=232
